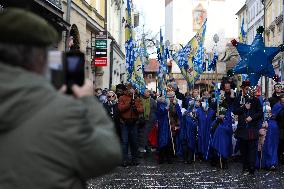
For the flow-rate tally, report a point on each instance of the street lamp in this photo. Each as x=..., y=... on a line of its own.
x=266, y=80
x=216, y=40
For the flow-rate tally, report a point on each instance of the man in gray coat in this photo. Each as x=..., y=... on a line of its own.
x=47, y=139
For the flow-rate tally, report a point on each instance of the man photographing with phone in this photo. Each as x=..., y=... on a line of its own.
x=47, y=139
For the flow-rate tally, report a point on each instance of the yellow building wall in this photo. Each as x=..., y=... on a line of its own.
x=90, y=9
x=273, y=10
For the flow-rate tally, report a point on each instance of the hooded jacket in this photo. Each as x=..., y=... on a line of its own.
x=50, y=140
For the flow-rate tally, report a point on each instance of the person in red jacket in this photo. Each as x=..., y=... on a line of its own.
x=130, y=107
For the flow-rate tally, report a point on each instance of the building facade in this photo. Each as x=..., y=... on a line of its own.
x=87, y=19
x=50, y=10
x=242, y=17
x=116, y=69
x=255, y=18
x=195, y=13
x=274, y=34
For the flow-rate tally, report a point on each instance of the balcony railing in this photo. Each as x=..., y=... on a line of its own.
x=56, y=3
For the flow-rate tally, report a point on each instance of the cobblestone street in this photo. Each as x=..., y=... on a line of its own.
x=178, y=175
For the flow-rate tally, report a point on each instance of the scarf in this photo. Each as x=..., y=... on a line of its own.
x=147, y=107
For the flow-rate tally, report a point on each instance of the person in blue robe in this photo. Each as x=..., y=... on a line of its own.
x=278, y=114
x=205, y=116
x=169, y=121
x=189, y=133
x=222, y=138
x=165, y=145
x=268, y=143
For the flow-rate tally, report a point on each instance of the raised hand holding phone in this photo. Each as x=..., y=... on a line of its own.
x=83, y=91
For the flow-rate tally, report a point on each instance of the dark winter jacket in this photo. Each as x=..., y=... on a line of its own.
x=248, y=131
x=112, y=110
x=274, y=99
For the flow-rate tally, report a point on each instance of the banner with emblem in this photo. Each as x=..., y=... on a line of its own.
x=134, y=55
x=190, y=57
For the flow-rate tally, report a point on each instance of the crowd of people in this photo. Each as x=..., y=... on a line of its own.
x=202, y=126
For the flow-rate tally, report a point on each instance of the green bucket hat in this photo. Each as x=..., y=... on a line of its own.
x=19, y=26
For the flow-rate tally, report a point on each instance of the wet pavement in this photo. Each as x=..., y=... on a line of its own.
x=149, y=174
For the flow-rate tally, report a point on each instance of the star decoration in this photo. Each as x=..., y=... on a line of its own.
x=256, y=59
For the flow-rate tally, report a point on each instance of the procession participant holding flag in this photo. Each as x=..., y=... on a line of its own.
x=129, y=107
x=249, y=111
x=169, y=123
x=268, y=141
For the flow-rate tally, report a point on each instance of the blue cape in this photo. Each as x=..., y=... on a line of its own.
x=270, y=146
x=277, y=108
x=189, y=131
x=204, y=125
x=222, y=138
x=178, y=142
x=164, y=135
x=163, y=122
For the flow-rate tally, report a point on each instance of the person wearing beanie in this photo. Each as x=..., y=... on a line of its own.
x=268, y=141
x=48, y=139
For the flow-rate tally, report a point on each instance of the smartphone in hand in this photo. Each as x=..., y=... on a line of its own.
x=74, y=69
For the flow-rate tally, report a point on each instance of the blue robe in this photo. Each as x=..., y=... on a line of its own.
x=270, y=146
x=164, y=133
x=189, y=131
x=277, y=108
x=204, y=125
x=222, y=138
x=178, y=141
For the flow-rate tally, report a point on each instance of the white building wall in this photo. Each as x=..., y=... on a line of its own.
x=117, y=31
x=169, y=22
x=255, y=18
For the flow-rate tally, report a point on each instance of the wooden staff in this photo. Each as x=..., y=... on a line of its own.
x=221, y=164
x=172, y=139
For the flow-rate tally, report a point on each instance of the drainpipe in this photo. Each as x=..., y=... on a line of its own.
x=266, y=79
x=69, y=2
x=281, y=71
x=111, y=64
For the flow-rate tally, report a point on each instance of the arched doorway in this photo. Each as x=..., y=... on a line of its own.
x=74, y=38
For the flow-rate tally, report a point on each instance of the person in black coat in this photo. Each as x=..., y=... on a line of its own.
x=111, y=106
x=249, y=111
